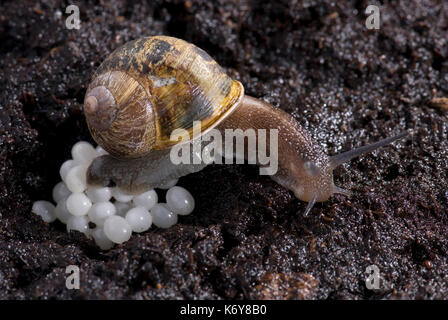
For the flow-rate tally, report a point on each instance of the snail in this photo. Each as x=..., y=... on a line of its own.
x=153, y=85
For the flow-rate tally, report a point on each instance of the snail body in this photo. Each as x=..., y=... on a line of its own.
x=151, y=86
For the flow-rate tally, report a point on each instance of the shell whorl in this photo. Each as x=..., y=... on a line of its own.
x=126, y=129
x=179, y=82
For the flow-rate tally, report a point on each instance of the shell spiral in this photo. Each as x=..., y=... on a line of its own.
x=151, y=86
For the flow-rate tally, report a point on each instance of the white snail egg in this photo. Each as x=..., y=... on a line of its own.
x=179, y=200
x=83, y=152
x=44, y=209
x=100, y=151
x=119, y=195
x=76, y=178
x=80, y=224
x=100, y=211
x=139, y=219
x=60, y=191
x=65, y=168
x=162, y=217
x=78, y=204
x=117, y=229
x=99, y=194
x=101, y=240
x=61, y=211
x=146, y=199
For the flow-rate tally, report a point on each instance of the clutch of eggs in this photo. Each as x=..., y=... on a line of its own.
x=114, y=213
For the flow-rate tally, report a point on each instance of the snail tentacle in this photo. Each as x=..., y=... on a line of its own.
x=310, y=205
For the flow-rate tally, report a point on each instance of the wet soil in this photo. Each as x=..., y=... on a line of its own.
x=247, y=237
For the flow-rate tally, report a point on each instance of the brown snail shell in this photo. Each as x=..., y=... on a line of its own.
x=151, y=86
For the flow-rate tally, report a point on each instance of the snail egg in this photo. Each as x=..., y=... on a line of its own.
x=99, y=194
x=61, y=211
x=76, y=179
x=83, y=152
x=100, y=151
x=120, y=196
x=101, y=240
x=117, y=229
x=80, y=224
x=60, y=191
x=78, y=204
x=44, y=209
x=162, y=217
x=65, y=168
x=100, y=211
x=147, y=199
x=179, y=200
x=139, y=219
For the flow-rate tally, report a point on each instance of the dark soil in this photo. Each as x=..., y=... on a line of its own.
x=247, y=237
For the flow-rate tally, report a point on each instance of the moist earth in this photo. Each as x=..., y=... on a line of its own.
x=247, y=238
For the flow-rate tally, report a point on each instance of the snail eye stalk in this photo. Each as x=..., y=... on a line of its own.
x=347, y=156
x=310, y=205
